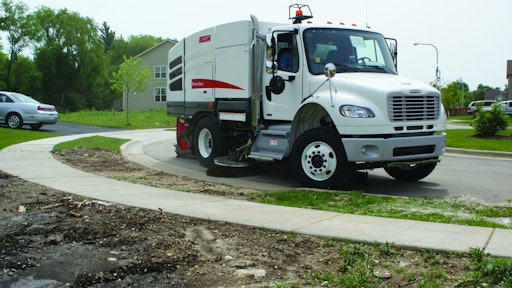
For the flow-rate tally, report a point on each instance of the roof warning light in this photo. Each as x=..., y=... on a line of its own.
x=299, y=15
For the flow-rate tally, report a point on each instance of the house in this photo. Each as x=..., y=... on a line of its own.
x=154, y=97
x=495, y=95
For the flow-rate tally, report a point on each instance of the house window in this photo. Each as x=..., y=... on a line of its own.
x=160, y=94
x=160, y=72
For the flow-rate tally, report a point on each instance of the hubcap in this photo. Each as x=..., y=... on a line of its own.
x=14, y=121
x=204, y=143
x=319, y=161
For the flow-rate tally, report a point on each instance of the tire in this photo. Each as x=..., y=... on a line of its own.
x=208, y=142
x=411, y=173
x=35, y=126
x=318, y=160
x=14, y=121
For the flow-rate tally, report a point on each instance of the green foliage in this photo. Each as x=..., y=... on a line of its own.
x=453, y=95
x=489, y=123
x=107, y=36
x=93, y=142
x=479, y=93
x=488, y=271
x=132, y=77
x=14, y=22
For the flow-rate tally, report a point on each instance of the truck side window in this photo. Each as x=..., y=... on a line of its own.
x=287, y=55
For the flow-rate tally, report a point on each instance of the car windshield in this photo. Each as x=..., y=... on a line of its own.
x=24, y=98
x=349, y=50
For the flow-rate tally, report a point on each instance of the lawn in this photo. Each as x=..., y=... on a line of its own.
x=10, y=136
x=154, y=118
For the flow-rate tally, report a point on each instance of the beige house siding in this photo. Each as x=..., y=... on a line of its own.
x=155, y=59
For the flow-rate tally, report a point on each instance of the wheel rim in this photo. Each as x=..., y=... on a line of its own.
x=319, y=161
x=204, y=143
x=14, y=121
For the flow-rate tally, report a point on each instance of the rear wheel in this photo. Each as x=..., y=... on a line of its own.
x=319, y=160
x=14, y=121
x=208, y=142
x=411, y=172
x=35, y=126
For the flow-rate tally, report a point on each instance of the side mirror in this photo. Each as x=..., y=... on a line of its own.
x=329, y=70
x=393, y=49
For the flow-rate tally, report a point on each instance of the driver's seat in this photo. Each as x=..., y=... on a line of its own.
x=336, y=57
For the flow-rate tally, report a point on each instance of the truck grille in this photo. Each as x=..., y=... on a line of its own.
x=413, y=108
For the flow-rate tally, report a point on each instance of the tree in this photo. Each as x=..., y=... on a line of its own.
x=130, y=78
x=14, y=21
x=107, y=36
x=479, y=93
x=69, y=54
x=452, y=94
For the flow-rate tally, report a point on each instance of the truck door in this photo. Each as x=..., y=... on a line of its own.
x=283, y=79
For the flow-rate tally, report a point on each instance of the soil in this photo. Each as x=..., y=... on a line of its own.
x=49, y=238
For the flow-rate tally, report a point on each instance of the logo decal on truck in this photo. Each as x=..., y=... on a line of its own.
x=205, y=38
x=209, y=83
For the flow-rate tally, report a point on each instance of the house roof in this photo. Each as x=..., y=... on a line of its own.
x=173, y=42
x=495, y=95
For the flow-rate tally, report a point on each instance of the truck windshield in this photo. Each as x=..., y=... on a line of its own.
x=349, y=50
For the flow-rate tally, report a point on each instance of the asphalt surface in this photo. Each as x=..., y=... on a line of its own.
x=33, y=161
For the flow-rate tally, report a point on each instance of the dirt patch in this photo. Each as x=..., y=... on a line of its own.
x=49, y=238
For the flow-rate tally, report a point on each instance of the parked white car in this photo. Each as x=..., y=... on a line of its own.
x=17, y=109
x=507, y=107
x=485, y=104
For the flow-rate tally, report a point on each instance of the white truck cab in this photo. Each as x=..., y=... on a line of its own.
x=325, y=97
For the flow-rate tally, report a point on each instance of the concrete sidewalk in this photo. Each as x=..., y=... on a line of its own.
x=33, y=161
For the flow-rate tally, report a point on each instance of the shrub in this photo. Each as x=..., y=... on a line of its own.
x=489, y=123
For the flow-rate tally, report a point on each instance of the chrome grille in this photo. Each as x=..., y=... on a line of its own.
x=413, y=108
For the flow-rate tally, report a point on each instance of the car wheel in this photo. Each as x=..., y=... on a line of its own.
x=208, y=142
x=36, y=126
x=411, y=173
x=318, y=160
x=14, y=121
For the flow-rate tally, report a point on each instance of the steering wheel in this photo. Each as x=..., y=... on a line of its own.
x=363, y=60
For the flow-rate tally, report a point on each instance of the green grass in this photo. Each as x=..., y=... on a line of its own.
x=154, y=118
x=10, y=136
x=106, y=143
x=464, y=138
x=421, y=209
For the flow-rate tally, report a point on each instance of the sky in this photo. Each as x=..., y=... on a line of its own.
x=473, y=38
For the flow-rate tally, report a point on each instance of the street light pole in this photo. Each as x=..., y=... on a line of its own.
x=438, y=76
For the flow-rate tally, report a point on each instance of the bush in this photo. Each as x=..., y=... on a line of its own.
x=489, y=123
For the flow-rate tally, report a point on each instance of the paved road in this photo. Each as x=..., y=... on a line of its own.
x=478, y=178
x=67, y=128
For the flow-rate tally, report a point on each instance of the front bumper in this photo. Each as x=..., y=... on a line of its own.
x=394, y=149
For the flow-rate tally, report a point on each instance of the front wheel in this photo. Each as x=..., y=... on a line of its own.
x=318, y=160
x=411, y=173
x=14, y=121
x=208, y=142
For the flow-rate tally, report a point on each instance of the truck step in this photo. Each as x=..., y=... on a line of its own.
x=273, y=142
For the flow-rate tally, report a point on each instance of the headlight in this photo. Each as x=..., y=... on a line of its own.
x=353, y=111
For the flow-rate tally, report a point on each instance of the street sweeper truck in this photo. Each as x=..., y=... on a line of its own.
x=326, y=98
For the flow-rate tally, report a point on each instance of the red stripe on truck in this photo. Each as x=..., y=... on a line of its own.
x=209, y=83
